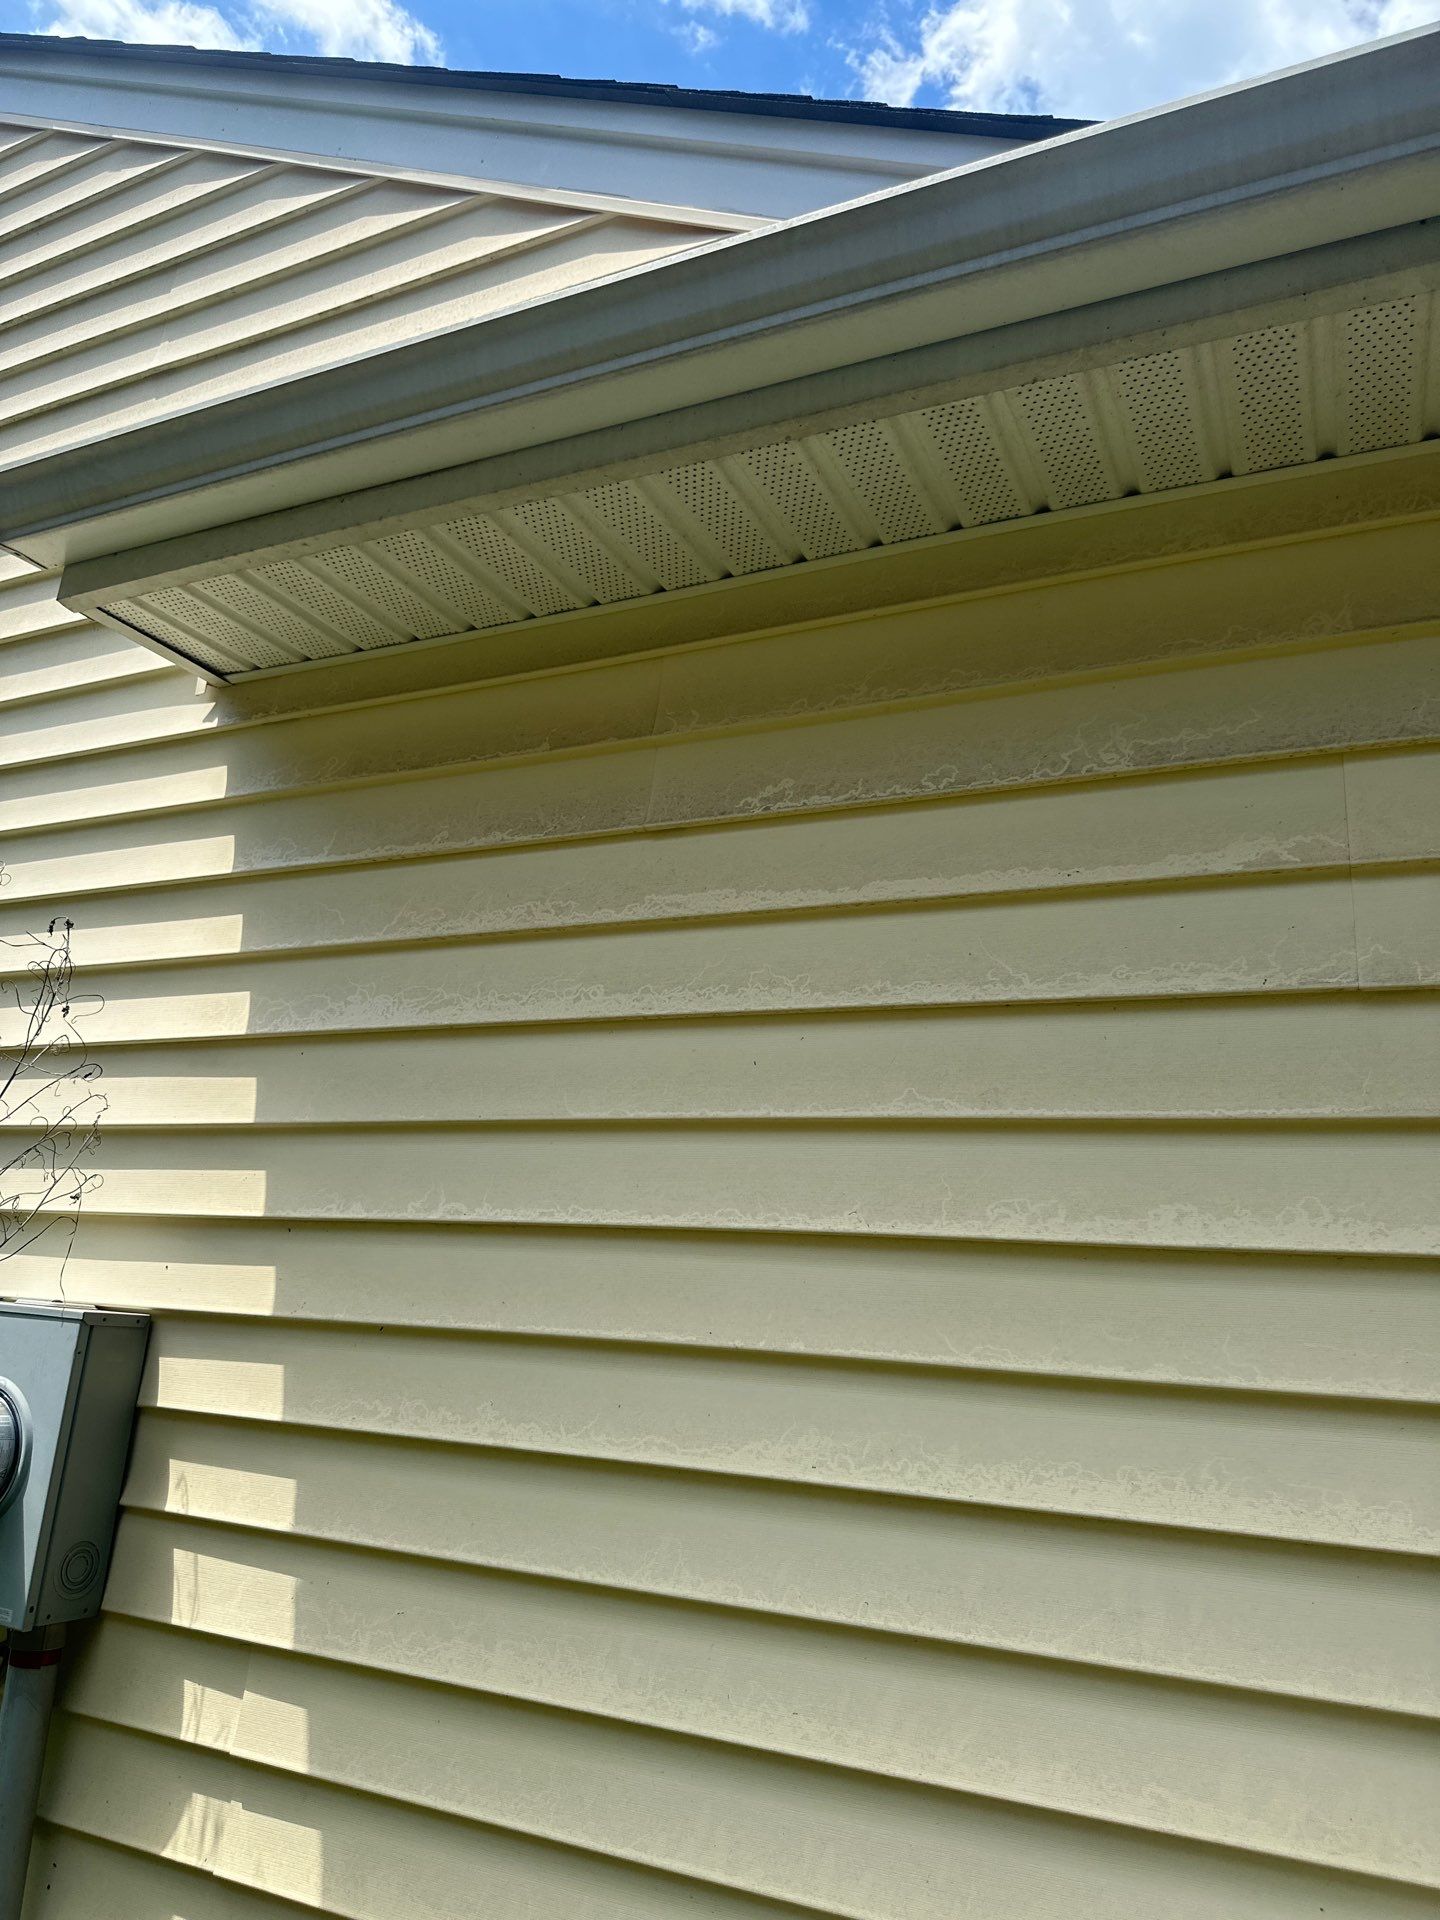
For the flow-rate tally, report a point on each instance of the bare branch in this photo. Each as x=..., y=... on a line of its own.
x=50, y=1108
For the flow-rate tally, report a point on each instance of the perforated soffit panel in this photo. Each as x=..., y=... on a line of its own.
x=1282, y=396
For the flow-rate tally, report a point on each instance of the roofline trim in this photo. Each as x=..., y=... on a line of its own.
x=1282, y=171
x=643, y=93
x=1268, y=293
x=708, y=221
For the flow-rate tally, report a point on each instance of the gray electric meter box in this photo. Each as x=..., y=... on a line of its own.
x=69, y=1377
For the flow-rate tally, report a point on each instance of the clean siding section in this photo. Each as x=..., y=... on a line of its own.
x=764, y=1309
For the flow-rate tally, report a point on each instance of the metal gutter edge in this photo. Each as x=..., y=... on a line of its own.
x=1306, y=159
x=1390, y=265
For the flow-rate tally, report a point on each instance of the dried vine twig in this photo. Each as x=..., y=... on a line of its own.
x=50, y=1107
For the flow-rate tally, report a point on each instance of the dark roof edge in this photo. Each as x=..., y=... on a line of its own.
x=643, y=93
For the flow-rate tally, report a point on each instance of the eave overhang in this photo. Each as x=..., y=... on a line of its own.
x=1310, y=193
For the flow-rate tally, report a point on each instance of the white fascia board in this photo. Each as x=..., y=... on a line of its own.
x=1329, y=169
x=667, y=213
x=772, y=166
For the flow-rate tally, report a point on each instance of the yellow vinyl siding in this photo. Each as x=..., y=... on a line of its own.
x=141, y=280
x=792, y=1277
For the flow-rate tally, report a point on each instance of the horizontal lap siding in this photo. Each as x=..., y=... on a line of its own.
x=138, y=280
x=761, y=1310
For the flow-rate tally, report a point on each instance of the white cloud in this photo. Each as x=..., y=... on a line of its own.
x=1097, y=58
x=159, y=22
x=780, y=16
x=356, y=29
x=353, y=29
x=697, y=38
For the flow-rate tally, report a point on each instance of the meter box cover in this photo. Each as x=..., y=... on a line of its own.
x=69, y=1377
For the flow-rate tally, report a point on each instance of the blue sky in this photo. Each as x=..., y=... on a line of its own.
x=1083, y=57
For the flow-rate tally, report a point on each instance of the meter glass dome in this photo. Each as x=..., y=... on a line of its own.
x=10, y=1445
